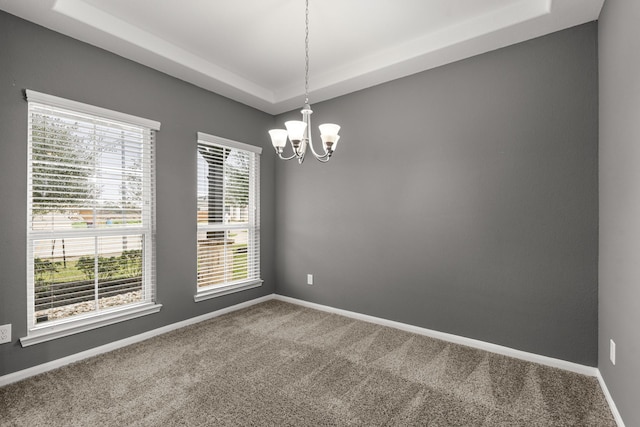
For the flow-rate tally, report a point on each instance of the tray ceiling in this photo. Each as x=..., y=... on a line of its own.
x=253, y=50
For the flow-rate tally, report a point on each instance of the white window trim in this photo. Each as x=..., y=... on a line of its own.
x=45, y=333
x=221, y=290
x=228, y=142
x=54, y=101
x=37, y=334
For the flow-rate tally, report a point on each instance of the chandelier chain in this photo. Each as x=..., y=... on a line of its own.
x=306, y=58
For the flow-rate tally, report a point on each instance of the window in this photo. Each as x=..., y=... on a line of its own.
x=90, y=228
x=228, y=216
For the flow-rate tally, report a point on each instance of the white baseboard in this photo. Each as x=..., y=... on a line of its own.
x=612, y=404
x=494, y=348
x=39, y=369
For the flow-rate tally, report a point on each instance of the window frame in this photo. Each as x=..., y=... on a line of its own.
x=253, y=223
x=37, y=333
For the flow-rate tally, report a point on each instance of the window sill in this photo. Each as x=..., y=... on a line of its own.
x=219, y=291
x=45, y=333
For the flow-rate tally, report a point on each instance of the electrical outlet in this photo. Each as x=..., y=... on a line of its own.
x=5, y=333
x=612, y=351
x=309, y=279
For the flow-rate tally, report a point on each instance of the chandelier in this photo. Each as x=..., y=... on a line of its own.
x=298, y=130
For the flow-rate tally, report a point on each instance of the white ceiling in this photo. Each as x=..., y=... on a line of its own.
x=253, y=50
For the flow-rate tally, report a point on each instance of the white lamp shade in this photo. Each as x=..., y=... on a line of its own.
x=296, y=129
x=278, y=137
x=329, y=137
x=333, y=144
x=329, y=130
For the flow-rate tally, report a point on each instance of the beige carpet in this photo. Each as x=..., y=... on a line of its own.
x=278, y=364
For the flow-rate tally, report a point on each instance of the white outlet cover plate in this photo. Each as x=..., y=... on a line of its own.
x=612, y=351
x=5, y=333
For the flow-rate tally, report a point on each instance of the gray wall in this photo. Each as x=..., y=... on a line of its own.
x=461, y=199
x=34, y=58
x=619, y=281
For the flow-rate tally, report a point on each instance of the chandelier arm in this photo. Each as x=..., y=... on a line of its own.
x=316, y=155
x=297, y=153
x=323, y=159
x=287, y=158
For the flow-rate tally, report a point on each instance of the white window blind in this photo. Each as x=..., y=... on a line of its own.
x=228, y=216
x=91, y=215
